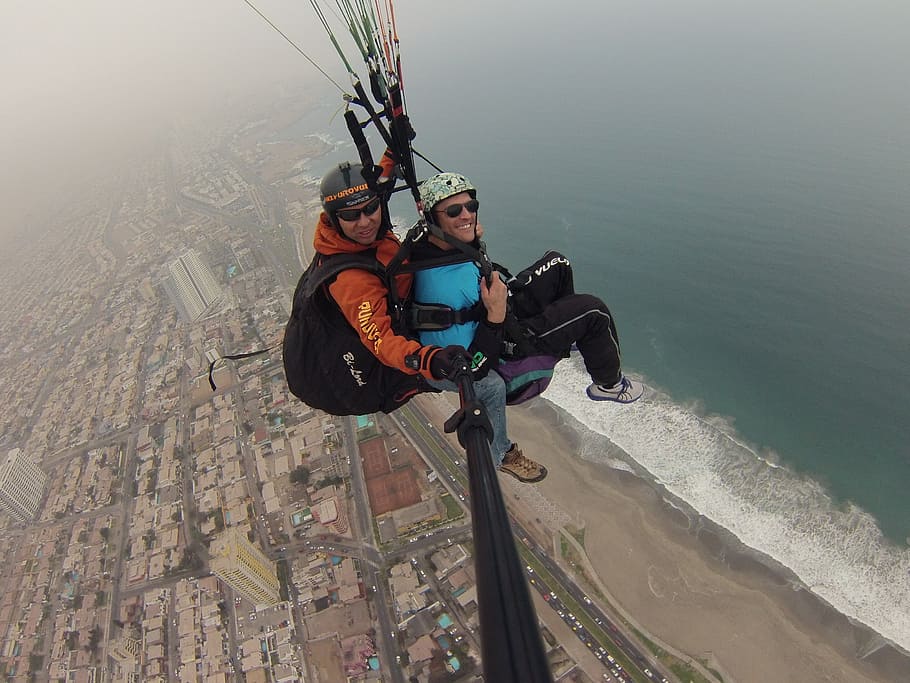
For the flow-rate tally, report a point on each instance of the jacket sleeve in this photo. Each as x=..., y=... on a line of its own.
x=361, y=296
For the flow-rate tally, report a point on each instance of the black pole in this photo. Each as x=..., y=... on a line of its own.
x=511, y=646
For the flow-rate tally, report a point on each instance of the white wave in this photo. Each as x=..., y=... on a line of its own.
x=619, y=465
x=837, y=551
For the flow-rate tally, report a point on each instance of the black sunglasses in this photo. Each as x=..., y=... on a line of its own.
x=354, y=214
x=454, y=210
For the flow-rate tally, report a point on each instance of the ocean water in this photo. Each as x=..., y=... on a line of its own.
x=734, y=180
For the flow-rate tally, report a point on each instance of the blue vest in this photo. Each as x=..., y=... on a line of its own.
x=457, y=286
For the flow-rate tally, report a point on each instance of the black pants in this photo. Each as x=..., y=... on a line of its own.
x=546, y=305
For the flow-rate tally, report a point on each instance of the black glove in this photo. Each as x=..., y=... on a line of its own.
x=442, y=364
x=485, y=349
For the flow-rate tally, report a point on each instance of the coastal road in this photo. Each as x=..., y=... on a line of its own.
x=363, y=519
x=439, y=452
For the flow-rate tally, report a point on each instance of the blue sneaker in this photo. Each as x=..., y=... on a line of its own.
x=624, y=391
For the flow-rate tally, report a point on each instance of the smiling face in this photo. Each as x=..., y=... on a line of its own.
x=367, y=219
x=462, y=225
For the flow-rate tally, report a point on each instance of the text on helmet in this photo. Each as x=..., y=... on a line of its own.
x=346, y=192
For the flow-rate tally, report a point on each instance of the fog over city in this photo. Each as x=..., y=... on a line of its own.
x=85, y=82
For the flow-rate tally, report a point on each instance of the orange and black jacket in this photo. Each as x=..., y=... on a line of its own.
x=363, y=299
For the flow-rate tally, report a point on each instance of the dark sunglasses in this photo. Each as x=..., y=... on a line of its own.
x=454, y=210
x=354, y=214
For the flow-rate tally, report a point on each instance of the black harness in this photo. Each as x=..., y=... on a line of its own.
x=417, y=316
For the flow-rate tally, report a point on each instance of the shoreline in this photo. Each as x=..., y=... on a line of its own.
x=721, y=555
x=685, y=580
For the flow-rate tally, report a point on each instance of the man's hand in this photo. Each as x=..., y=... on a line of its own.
x=442, y=364
x=494, y=298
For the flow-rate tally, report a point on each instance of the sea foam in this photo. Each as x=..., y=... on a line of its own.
x=838, y=552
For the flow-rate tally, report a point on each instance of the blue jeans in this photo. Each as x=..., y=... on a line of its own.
x=491, y=392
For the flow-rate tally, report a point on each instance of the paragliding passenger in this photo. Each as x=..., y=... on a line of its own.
x=550, y=316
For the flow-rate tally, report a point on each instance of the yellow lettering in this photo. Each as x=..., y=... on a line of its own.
x=346, y=192
x=367, y=328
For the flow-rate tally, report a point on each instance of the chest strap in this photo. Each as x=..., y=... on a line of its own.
x=433, y=317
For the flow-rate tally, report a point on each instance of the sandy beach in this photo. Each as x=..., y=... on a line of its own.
x=687, y=586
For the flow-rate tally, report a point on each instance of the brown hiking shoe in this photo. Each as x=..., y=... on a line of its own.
x=523, y=469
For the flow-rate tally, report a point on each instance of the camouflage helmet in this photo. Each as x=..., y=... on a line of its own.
x=442, y=186
x=343, y=186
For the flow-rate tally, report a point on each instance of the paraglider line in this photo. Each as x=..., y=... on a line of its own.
x=293, y=44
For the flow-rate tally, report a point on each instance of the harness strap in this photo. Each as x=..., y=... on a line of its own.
x=432, y=317
x=235, y=356
x=462, y=253
x=517, y=341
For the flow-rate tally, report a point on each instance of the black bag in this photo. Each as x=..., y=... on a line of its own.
x=325, y=363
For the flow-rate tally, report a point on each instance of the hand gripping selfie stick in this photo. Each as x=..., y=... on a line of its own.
x=511, y=646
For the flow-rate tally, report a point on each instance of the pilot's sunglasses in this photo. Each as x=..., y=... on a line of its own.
x=454, y=210
x=354, y=214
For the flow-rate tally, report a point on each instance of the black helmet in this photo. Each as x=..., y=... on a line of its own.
x=343, y=186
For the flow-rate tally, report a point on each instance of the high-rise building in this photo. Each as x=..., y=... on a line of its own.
x=21, y=486
x=244, y=567
x=192, y=286
x=126, y=649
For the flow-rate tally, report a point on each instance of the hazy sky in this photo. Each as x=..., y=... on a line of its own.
x=82, y=80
